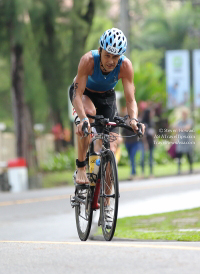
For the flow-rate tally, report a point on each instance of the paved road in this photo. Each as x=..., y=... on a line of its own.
x=100, y=257
x=43, y=222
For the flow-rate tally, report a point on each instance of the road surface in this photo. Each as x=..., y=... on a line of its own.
x=38, y=232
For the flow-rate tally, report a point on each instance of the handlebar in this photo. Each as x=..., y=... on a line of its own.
x=140, y=135
x=85, y=129
x=100, y=121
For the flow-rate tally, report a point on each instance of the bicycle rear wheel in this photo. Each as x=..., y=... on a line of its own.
x=109, y=195
x=83, y=212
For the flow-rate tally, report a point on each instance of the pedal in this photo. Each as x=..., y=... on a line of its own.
x=73, y=202
x=81, y=186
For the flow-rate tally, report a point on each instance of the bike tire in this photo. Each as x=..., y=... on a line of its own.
x=83, y=225
x=109, y=183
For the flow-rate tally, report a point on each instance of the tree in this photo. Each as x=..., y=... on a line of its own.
x=48, y=21
x=156, y=25
x=81, y=18
x=13, y=29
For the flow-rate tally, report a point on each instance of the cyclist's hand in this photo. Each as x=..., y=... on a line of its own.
x=143, y=128
x=79, y=130
x=133, y=124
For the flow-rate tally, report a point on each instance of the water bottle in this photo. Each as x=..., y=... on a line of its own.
x=96, y=166
x=93, y=167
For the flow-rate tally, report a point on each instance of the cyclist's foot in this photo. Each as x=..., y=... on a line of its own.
x=108, y=216
x=108, y=213
x=81, y=177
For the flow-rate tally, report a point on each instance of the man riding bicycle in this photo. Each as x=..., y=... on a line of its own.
x=92, y=91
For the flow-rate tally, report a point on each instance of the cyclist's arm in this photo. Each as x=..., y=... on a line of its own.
x=126, y=73
x=84, y=69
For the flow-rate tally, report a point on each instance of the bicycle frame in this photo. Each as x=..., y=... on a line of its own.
x=105, y=146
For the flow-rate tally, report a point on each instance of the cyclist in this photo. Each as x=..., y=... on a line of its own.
x=92, y=91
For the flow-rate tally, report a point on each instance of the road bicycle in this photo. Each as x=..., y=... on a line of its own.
x=102, y=192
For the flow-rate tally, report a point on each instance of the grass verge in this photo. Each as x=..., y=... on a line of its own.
x=159, y=170
x=61, y=178
x=177, y=225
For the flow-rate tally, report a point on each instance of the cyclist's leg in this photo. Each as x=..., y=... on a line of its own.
x=83, y=143
x=151, y=160
x=190, y=160
x=109, y=110
x=179, y=155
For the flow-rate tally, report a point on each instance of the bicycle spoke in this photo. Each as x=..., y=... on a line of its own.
x=109, y=197
x=83, y=214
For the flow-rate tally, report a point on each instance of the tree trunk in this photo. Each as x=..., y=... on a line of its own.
x=17, y=91
x=30, y=152
x=25, y=142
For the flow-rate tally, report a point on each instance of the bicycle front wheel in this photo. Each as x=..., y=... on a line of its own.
x=83, y=212
x=109, y=195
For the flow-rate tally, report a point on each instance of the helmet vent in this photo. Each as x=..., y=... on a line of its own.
x=113, y=38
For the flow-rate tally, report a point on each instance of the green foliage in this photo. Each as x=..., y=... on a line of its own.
x=60, y=161
x=124, y=159
x=149, y=78
x=5, y=102
x=161, y=157
x=162, y=28
x=35, y=90
x=150, y=83
x=59, y=178
x=98, y=28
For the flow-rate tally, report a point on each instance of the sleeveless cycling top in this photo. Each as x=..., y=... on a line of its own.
x=100, y=82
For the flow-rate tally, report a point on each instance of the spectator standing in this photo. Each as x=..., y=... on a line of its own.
x=132, y=145
x=185, y=139
x=149, y=135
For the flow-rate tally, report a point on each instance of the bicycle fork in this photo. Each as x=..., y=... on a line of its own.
x=95, y=204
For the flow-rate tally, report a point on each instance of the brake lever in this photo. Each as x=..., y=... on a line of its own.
x=85, y=129
x=120, y=120
x=139, y=132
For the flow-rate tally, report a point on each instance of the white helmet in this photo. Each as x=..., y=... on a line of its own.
x=113, y=41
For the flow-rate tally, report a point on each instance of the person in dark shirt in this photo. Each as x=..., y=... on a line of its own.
x=150, y=132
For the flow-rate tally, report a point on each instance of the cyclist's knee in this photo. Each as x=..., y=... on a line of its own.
x=90, y=111
x=113, y=146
